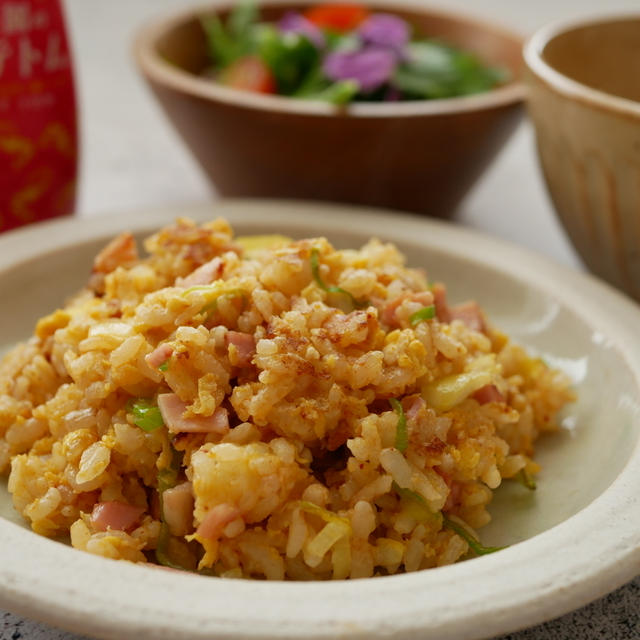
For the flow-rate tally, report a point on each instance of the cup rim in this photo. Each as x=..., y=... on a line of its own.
x=564, y=84
x=157, y=70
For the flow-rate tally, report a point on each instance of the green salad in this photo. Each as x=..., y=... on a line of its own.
x=340, y=53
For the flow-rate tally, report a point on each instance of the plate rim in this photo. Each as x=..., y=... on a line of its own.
x=549, y=591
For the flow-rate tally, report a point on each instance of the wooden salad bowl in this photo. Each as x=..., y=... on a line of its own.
x=421, y=156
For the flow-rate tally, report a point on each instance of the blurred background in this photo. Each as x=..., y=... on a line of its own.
x=132, y=158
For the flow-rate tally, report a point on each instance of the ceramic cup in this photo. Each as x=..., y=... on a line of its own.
x=585, y=104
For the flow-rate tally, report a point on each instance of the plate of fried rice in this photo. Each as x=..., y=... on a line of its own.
x=277, y=420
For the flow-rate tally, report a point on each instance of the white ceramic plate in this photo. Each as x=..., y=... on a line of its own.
x=575, y=539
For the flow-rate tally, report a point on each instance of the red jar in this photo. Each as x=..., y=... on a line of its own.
x=38, y=128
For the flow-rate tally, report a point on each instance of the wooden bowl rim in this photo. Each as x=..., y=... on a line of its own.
x=565, y=85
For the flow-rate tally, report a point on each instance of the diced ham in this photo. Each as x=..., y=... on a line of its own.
x=471, y=314
x=440, y=301
x=455, y=490
x=159, y=355
x=177, y=508
x=412, y=407
x=388, y=314
x=453, y=499
x=204, y=274
x=173, y=410
x=488, y=393
x=121, y=251
x=468, y=312
x=245, y=347
x=115, y=515
x=216, y=520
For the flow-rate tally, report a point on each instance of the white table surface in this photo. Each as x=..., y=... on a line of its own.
x=132, y=159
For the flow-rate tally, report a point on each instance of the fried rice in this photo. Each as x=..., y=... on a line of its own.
x=267, y=408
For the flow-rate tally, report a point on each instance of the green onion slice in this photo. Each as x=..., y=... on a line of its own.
x=167, y=479
x=526, y=479
x=315, y=270
x=475, y=546
x=408, y=494
x=426, y=313
x=165, y=365
x=146, y=414
x=424, y=513
x=162, y=546
x=402, y=433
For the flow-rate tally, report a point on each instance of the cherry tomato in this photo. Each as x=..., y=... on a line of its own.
x=249, y=73
x=337, y=17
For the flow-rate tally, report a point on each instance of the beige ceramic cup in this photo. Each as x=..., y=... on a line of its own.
x=584, y=80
